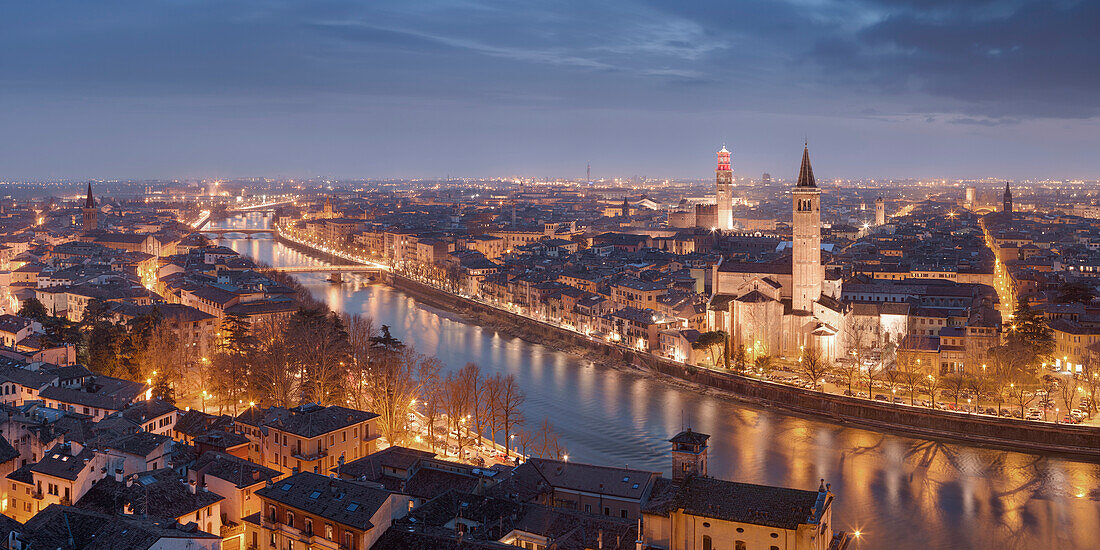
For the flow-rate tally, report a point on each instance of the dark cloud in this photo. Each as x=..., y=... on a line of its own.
x=387, y=74
x=1033, y=60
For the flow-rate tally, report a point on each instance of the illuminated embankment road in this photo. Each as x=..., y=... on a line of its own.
x=902, y=493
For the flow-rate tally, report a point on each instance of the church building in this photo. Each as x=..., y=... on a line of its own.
x=787, y=305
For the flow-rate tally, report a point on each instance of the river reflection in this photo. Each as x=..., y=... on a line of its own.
x=901, y=493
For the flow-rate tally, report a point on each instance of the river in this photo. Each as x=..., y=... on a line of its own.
x=901, y=493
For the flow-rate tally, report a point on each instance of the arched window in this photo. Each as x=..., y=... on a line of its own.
x=739, y=545
x=707, y=543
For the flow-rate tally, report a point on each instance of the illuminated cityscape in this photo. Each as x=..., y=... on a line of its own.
x=815, y=358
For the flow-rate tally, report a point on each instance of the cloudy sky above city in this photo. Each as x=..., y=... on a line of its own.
x=880, y=88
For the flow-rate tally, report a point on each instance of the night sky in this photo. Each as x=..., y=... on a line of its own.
x=881, y=88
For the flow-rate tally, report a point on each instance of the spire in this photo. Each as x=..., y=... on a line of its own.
x=1007, y=192
x=806, y=173
x=90, y=201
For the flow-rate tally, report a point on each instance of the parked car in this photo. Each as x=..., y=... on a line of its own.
x=900, y=400
x=880, y=397
x=1076, y=413
x=862, y=394
x=1017, y=414
x=848, y=393
x=1034, y=414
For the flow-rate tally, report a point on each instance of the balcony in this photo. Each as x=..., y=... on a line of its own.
x=307, y=457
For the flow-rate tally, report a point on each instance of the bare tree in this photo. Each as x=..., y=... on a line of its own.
x=1020, y=395
x=911, y=375
x=492, y=389
x=431, y=394
x=168, y=358
x=1068, y=388
x=525, y=442
x=813, y=365
x=321, y=346
x=1090, y=375
x=361, y=338
x=276, y=377
x=849, y=371
x=863, y=337
x=473, y=382
x=509, y=401
x=546, y=444
x=931, y=384
x=956, y=384
x=456, y=405
x=396, y=381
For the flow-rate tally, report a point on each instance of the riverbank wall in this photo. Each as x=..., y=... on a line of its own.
x=1082, y=442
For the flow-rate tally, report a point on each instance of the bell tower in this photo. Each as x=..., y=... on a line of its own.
x=807, y=273
x=689, y=454
x=91, y=213
x=724, y=191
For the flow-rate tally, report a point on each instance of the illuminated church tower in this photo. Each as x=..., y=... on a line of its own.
x=807, y=272
x=1007, y=208
x=724, y=183
x=91, y=213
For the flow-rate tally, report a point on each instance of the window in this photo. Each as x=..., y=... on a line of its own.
x=272, y=538
x=309, y=527
x=328, y=531
x=290, y=518
x=273, y=516
x=739, y=545
x=708, y=544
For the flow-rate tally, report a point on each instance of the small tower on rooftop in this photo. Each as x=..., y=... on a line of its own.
x=689, y=454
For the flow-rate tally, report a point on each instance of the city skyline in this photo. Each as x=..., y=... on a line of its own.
x=880, y=89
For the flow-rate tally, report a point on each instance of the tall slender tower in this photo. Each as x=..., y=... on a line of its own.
x=90, y=223
x=880, y=211
x=1008, y=200
x=807, y=273
x=724, y=182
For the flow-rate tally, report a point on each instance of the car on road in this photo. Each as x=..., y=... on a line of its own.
x=1034, y=414
x=1076, y=413
x=880, y=397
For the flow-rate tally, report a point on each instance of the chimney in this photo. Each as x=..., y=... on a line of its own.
x=191, y=486
x=118, y=475
x=255, y=475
